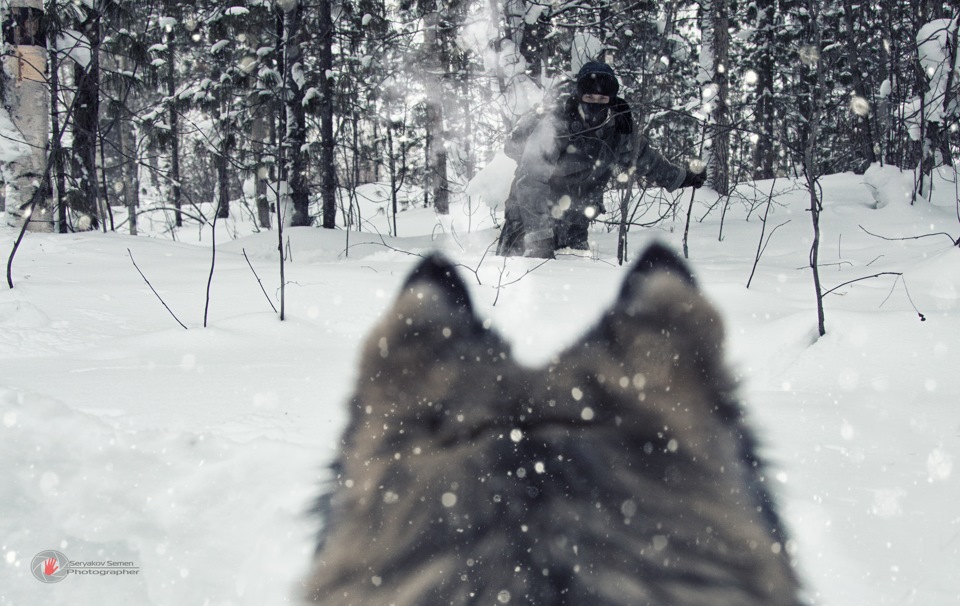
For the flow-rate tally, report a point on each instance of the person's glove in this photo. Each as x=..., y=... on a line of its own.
x=694, y=180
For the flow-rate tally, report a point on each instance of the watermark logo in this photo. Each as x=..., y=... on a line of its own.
x=50, y=566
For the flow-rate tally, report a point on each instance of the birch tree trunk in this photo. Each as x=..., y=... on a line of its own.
x=130, y=171
x=58, y=175
x=715, y=62
x=27, y=102
x=260, y=139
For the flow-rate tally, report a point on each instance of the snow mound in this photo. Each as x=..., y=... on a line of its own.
x=934, y=283
x=889, y=185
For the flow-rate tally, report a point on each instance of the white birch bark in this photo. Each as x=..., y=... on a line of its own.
x=27, y=105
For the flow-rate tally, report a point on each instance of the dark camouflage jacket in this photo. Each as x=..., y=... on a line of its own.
x=567, y=163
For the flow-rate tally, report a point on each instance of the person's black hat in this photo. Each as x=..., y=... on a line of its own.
x=597, y=78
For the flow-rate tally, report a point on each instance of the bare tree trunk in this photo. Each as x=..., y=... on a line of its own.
x=863, y=131
x=764, y=162
x=27, y=96
x=86, y=117
x=810, y=151
x=437, y=181
x=58, y=176
x=328, y=172
x=295, y=134
x=221, y=154
x=174, y=116
x=392, y=167
x=223, y=177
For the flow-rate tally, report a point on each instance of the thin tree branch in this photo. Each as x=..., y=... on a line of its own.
x=882, y=273
x=182, y=325
x=259, y=281
x=213, y=264
x=956, y=241
x=503, y=268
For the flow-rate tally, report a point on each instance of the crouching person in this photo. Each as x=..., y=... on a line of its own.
x=566, y=162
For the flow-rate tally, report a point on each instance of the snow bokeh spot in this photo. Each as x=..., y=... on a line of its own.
x=939, y=465
x=49, y=483
x=859, y=106
x=268, y=400
x=886, y=502
x=847, y=431
x=849, y=379
x=809, y=55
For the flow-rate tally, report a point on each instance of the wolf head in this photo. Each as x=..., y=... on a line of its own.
x=620, y=473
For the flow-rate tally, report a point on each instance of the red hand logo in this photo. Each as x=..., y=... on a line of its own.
x=50, y=566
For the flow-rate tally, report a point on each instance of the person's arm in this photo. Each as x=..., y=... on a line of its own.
x=652, y=166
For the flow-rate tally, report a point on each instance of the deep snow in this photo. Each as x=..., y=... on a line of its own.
x=195, y=454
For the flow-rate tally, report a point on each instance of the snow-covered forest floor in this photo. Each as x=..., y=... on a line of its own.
x=194, y=455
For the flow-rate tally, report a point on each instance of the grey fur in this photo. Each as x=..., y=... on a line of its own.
x=620, y=473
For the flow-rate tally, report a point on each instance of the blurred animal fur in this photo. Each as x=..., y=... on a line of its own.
x=620, y=473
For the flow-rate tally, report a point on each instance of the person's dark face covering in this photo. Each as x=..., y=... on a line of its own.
x=594, y=109
x=596, y=87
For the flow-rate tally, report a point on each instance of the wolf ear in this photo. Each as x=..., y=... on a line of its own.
x=657, y=258
x=435, y=298
x=660, y=291
x=436, y=275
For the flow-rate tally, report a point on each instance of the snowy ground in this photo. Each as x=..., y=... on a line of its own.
x=193, y=455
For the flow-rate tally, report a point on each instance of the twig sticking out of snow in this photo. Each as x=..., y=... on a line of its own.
x=259, y=281
x=155, y=291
